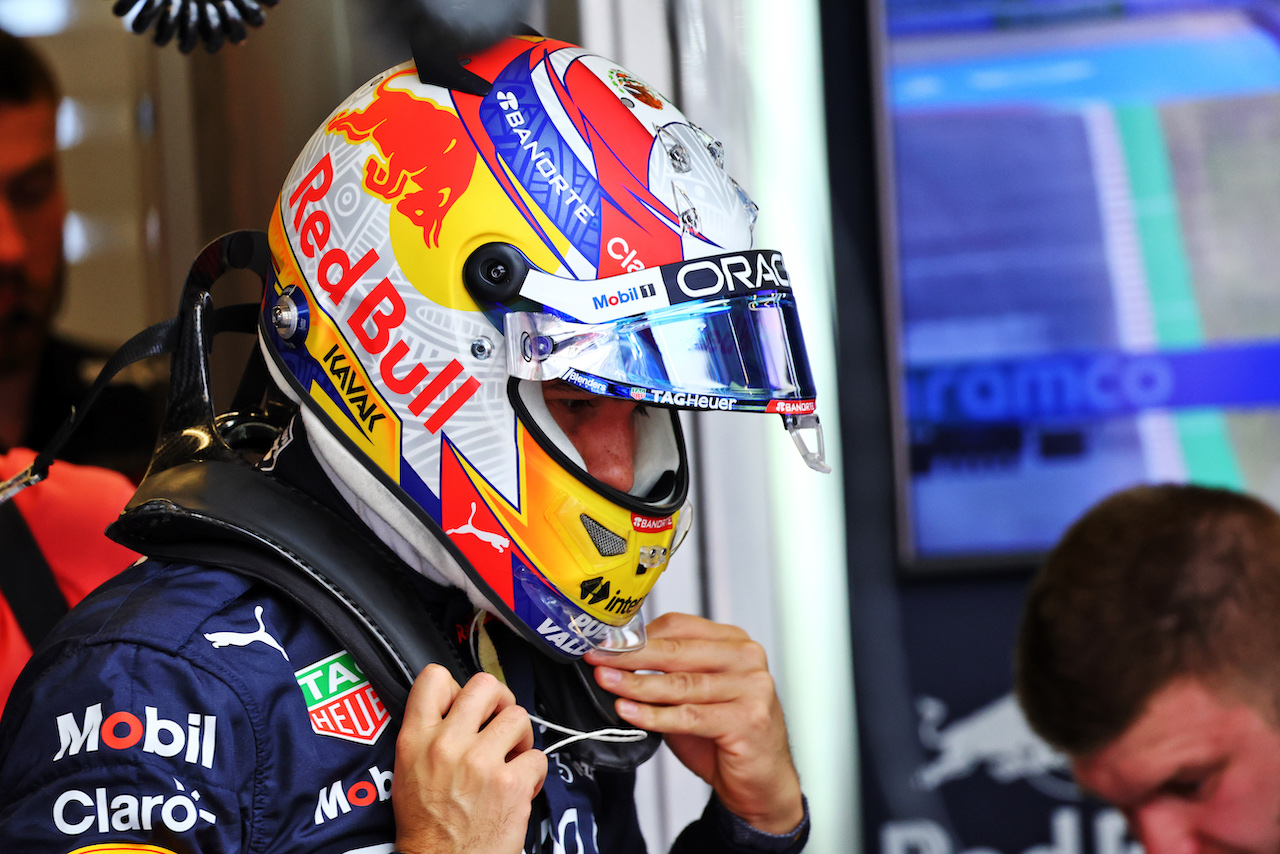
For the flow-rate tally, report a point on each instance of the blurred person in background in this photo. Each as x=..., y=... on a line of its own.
x=42, y=376
x=53, y=552
x=1149, y=652
x=52, y=548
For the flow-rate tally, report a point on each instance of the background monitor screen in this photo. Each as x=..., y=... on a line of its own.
x=1086, y=264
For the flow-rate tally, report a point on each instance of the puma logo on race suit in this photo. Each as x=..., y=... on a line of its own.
x=419, y=142
x=498, y=541
x=221, y=639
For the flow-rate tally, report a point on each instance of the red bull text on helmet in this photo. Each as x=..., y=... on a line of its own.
x=588, y=174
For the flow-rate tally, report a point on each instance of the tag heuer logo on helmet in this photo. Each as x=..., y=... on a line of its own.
x=340, y=700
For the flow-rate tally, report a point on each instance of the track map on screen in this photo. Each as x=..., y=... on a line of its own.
x=1086, y=265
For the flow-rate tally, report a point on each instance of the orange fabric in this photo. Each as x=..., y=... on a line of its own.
x=67, y=514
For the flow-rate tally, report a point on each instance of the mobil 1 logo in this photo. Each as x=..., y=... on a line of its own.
x=728, y=275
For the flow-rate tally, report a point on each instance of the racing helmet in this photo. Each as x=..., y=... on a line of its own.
x=440, y=254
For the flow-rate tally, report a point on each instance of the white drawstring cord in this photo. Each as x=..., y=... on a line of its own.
x=608, y=734
x=613, y=735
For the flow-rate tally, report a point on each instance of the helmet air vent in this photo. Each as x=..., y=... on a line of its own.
x=606, y=542
x=689, y=220
x=716, y=149
x=676, y=153
x=494, y=273
x=752, y=209
x=714, y=146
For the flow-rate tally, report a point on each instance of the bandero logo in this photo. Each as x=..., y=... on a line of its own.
x=649, y=523
x=340, y=700
x=419, y=142
x=792, y=407
x=123, y=730
x=334, y=800
x=540, y=158
x=78, y=811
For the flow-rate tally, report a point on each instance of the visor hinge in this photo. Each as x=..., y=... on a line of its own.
x=651, y=557
x=794, y=424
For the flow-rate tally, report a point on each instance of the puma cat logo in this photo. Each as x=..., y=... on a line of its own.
x=221, y=639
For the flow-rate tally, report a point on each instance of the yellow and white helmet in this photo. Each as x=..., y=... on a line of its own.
x=438, y=255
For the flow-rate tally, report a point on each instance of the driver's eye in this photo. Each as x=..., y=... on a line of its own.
x=1185, y=789
x=573, y=404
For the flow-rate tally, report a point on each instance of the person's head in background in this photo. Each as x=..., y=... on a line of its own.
x=32, y=207
x=1149, y=652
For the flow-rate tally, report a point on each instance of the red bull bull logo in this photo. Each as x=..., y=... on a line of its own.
x=425, y=158
x=996, y=737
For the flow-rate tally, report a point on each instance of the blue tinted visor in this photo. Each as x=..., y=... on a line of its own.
x=742, y=352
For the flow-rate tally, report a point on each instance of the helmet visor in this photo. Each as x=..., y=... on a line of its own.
x=741, y=352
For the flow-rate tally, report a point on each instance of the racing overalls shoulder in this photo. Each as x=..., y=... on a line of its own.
x=194, y=709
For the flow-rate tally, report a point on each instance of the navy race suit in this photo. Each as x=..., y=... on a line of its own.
x=196, y=710
x=168, y=711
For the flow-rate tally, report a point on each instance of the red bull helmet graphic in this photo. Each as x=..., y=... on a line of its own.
x=439, y=255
